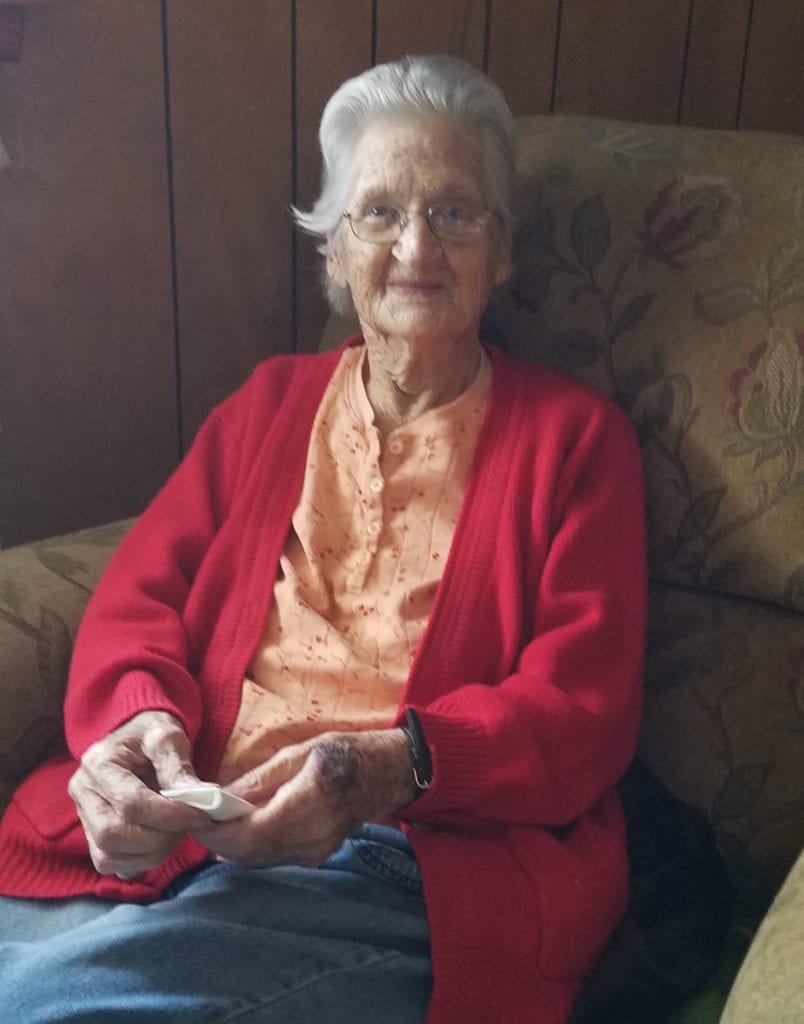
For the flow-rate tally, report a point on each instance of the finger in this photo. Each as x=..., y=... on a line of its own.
x=131, y=801
x=112, y=834
x=296, y=826
x=252, y=839
x=156, y=813
x=168, y=750
x=117, y=847
x=238, y=841
x=124, y=865
x=127, y=775
x=260, y=784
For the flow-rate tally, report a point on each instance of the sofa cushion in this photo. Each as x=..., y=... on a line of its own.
x=723, y=725
x=44, y=588
x=665, y=266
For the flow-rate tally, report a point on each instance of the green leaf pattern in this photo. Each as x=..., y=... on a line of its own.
x=686, y=223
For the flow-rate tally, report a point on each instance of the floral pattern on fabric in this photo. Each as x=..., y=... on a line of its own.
x=665, y=267
x=44, y=588
x=725, y=684
x=688, y=220
x=638, y=270
x=360, y=568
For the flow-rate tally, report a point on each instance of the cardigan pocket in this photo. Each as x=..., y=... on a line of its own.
x=581, y=876
x=42, y=799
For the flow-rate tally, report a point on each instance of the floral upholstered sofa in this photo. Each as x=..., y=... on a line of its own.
x=664, y=266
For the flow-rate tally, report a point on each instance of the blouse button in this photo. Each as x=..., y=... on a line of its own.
x=374, y=529
x=376, y=485
x=395, y=446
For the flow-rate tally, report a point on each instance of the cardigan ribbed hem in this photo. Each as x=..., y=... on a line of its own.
x=30, y=870
x=135, y=690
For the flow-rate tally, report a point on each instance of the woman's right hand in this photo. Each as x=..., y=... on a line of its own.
x=129, y=826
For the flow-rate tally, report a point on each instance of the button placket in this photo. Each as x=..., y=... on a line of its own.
x=373, y=485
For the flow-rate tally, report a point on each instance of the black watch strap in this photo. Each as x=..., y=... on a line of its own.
x=419, y=751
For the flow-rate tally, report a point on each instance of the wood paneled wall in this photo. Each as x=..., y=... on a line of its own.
x=147, y=255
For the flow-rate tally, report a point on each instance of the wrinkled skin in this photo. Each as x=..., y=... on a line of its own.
x=419, y=300
x=128, y=825
x=309, y=797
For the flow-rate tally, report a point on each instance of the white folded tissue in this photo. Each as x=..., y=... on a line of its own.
x=216, y=802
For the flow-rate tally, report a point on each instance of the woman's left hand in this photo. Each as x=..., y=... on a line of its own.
x=310, y=796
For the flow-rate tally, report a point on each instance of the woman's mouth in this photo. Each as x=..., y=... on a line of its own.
x=415, y=288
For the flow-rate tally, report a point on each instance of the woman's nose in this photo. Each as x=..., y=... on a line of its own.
x=416, y=240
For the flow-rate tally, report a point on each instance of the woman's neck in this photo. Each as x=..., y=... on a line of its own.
x=404, y=381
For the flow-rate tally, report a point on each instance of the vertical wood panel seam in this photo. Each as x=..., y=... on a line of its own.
x=684, y=63
x=373, y=32
x=174, y=273
x=487, y=37
x=744, y=68
x=294, y=179
x=554, y=82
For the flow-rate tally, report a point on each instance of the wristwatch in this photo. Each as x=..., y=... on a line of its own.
x=419, y=751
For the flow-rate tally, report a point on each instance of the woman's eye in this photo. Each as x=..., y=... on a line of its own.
x=381, y=214
x=453, y=215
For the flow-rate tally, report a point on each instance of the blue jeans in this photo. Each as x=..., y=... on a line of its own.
x=341, y=944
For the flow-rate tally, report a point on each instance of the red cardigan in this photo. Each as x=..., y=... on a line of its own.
x=527, y=680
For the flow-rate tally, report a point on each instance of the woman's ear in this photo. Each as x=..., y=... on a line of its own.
x=335, y=266
x=503, y=264
x=504, y=268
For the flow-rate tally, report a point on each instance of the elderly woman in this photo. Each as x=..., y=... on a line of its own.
x=393, y=599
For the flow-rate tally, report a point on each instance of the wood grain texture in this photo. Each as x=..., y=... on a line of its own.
x=522, y=43
x=422, y=26
x=87, y=401
x=88, y=395
x=230, y=97
x=773, y=94
x=333, y=43
x=12, y=20
x=717, y=40
x=622, y=58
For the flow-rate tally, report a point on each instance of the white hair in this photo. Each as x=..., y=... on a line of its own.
x=426, y=86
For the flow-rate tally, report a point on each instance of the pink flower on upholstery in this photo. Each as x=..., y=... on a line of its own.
x=688, y=219
x=767, y=393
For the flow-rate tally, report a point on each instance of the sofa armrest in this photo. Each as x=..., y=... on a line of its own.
x=44, y=588
x=770, y=984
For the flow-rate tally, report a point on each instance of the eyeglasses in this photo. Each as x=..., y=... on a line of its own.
x=449, y=222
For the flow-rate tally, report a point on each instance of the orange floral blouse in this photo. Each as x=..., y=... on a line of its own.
x=359, y=570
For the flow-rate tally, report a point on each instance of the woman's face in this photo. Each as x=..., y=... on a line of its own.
x=418, y=288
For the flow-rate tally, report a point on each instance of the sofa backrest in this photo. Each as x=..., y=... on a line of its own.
x=665, y=266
